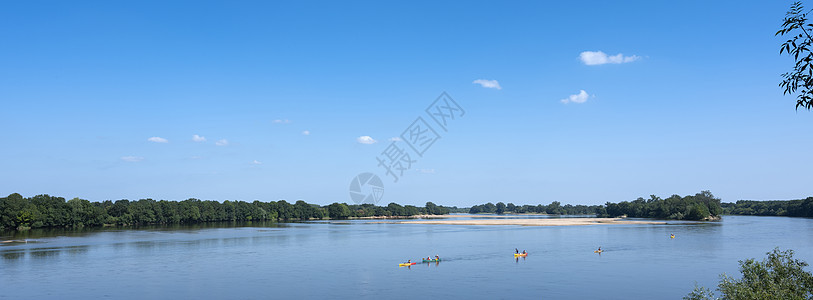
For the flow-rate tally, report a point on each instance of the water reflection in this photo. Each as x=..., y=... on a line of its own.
x=39, y=253
x=45, y=252
x=77, y=250
x=39, y=233
x=12, y=255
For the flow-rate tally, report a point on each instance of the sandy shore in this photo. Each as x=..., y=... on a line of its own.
x=532, y=222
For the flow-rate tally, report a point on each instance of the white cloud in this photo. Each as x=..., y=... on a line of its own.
x=198, y=138
x=281, y=121
x=256, y=162
x=306, y=132
x=132, y=158
x=394, y=139
x=156, y=139
x=222, y=142
x=366, y=139
x=581, y=97
x=492, y=84
x=592, y=58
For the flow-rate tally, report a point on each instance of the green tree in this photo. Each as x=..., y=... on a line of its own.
x=432, y=209
x=601, y=212
x=396, y=209
x=81, y=212
x=500, y=208
x=555, y=208
x=411, y=210
x=338, y=211
x=697, y=212
x=798, y=45
x=780, y=276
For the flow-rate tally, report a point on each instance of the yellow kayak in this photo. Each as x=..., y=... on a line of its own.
x=520, y=254
x=406, y=264
x=598, y=251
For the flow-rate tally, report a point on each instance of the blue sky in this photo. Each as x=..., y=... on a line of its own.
x=282, y=91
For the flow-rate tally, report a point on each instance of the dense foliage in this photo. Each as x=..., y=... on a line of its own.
x=780, y=276
x=49, y=211
x=798, y=45
x=789, y=208
x=555, y=208
x=698, y=207
x=701, y=206
x=345, y=211
x=458, y=210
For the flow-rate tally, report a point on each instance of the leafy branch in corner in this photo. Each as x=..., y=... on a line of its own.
x=801, y=79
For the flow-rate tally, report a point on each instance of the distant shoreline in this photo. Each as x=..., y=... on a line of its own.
x=397, y=217
x=535, y=222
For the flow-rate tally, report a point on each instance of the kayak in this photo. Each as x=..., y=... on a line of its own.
x=672, y=236
x=520, y=254
x=406, y=264
x=598, y=251
x=431, y=260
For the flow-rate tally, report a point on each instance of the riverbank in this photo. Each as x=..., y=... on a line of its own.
x=399, y=217
x=531, y=221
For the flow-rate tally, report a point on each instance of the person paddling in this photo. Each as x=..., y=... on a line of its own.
x=516, y=250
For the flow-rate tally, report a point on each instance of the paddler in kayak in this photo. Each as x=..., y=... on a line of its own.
x=437, y=257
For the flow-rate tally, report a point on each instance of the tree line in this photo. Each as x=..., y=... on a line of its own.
x=555, y=208
x=701, y=206
x=346, y=211
x=18, y=212
x=788, y=208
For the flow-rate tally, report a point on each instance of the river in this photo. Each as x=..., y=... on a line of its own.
x=359, y=259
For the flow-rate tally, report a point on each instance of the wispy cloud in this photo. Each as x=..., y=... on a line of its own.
x=132, y=158
x=366, y=139
x=592, y=58
x=492, y=84
x=222, y=142
x=306, y=132
x=394, y=139
x=198, y=138
x=281, y=121
x=156, y=139
x=581, y=97
x=256, y=162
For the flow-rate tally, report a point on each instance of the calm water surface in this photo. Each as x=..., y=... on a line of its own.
x=358, y=259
